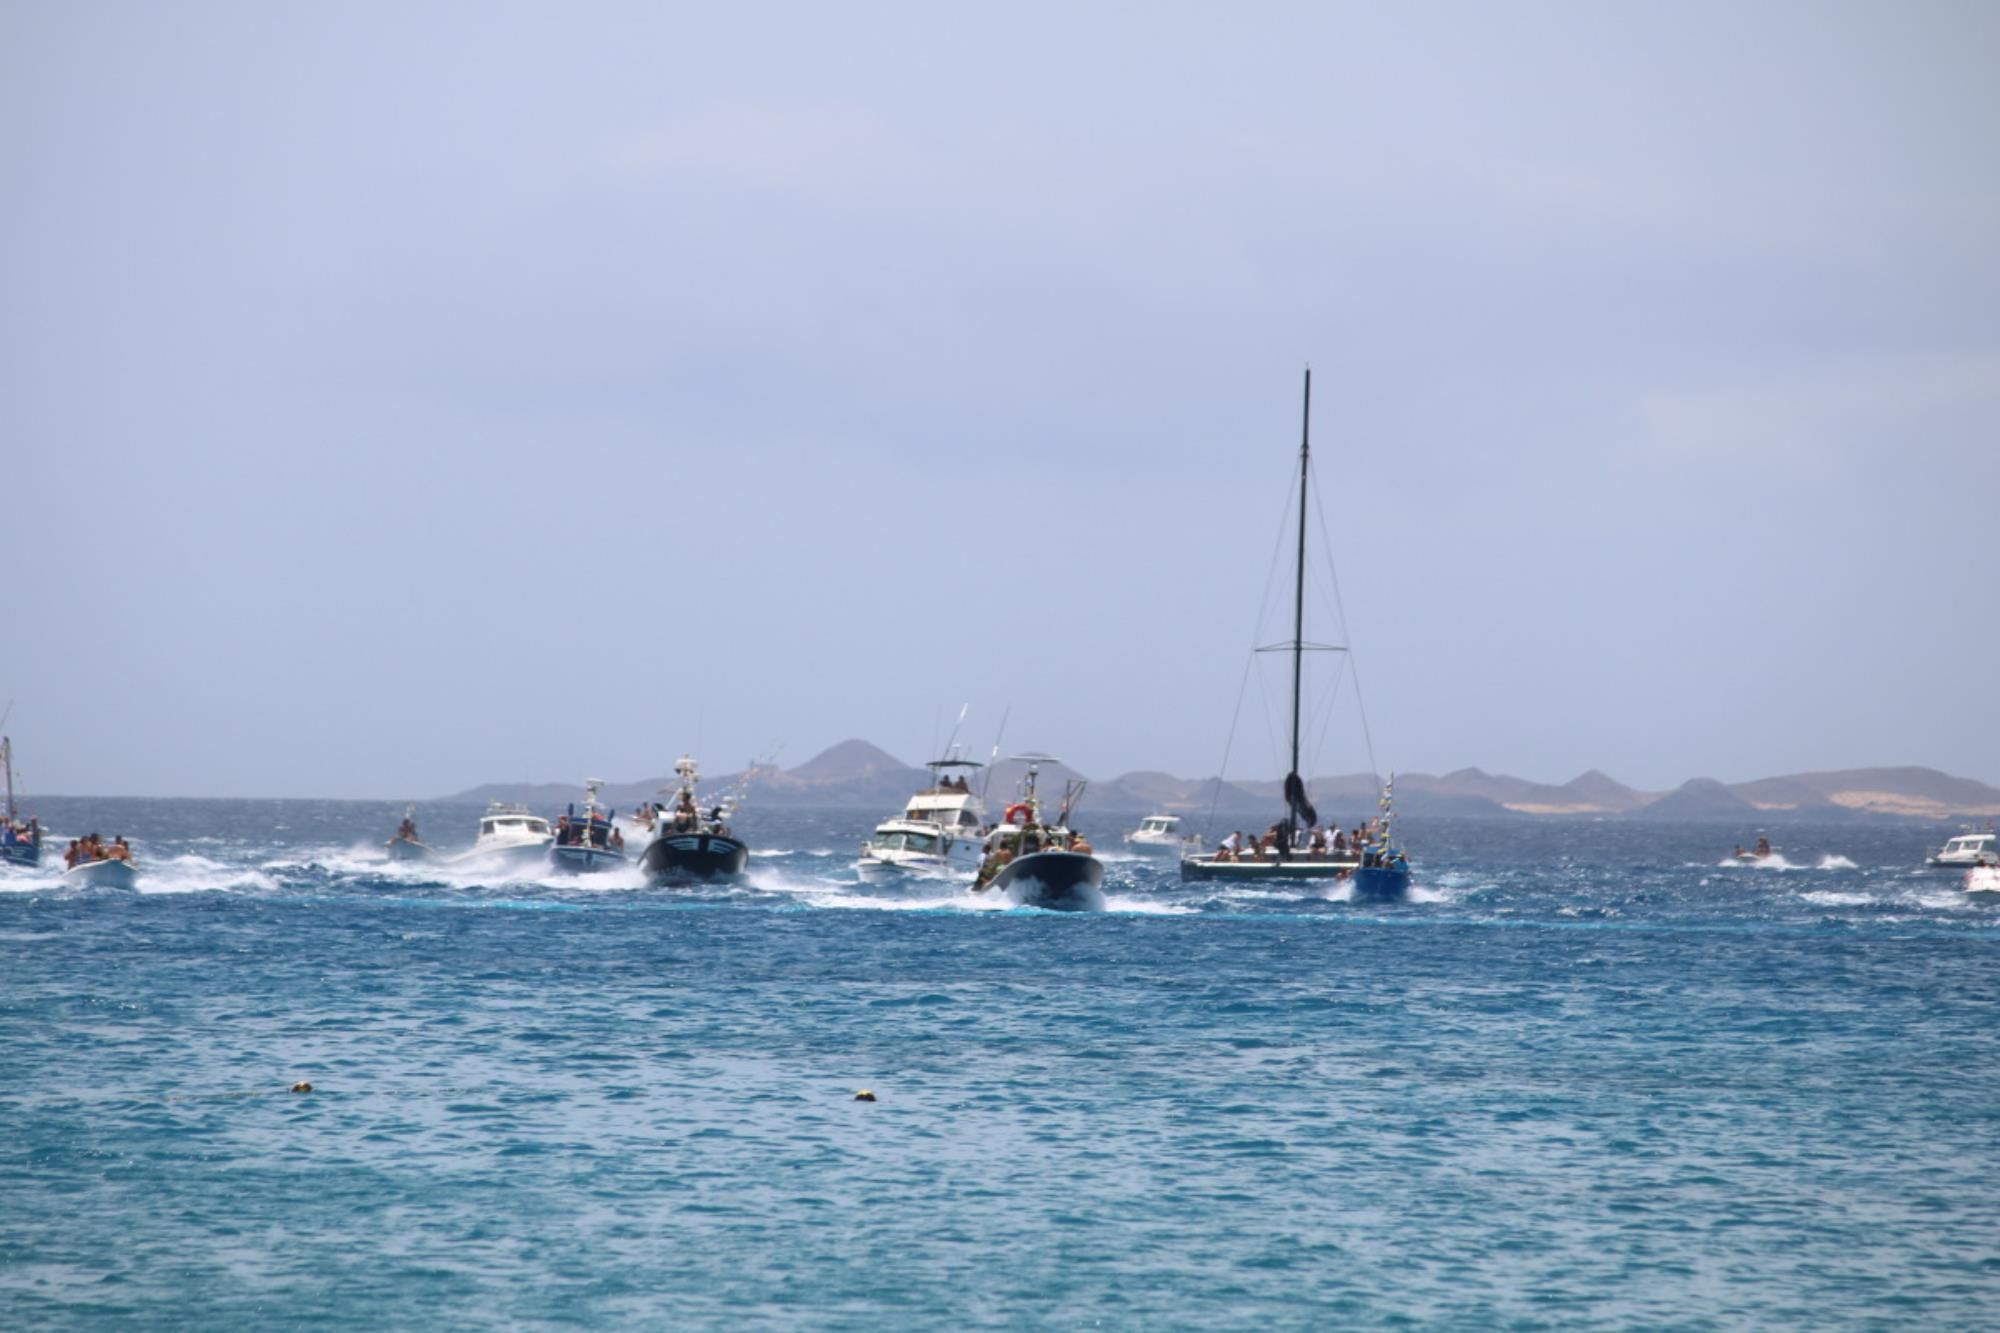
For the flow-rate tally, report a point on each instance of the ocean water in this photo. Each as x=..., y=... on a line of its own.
x=1590, y=1075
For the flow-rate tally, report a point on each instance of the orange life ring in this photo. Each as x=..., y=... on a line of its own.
x=1018, y=808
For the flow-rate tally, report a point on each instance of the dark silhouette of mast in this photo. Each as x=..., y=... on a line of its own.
x=1299, y=593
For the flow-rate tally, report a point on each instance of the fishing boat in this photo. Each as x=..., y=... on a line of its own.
x=406, y=845
x=1291, y=850
x=20, y=840
x=1158, y=834
x=511, y=833
x=689, y=844
x=590, y=840
x=1037, y=862
x=940, y=830
x=1968, y=849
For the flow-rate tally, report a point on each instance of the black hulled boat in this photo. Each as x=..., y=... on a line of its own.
x=690, y=845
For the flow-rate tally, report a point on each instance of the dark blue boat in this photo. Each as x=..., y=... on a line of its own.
x=20, y=841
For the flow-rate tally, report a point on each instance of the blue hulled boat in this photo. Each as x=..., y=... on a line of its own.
x=590, y=840
x=20, y=840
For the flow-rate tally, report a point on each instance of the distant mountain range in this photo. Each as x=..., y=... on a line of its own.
x=856, y=774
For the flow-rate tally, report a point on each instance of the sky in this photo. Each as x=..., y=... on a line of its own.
x=396, y=397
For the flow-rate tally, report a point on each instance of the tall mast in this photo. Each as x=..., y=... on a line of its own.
x=1299, y=584
x=7, y=762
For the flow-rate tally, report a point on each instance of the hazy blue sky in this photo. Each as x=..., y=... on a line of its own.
x=396, y=397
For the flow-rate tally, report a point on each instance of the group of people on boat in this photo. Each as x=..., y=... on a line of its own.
x=407, y=830
x=1282, y=842
x=588, y=832
x=685, y=816
x=1033, y=838
x=90, y=847
x=1757, y=853
x=952, y=785
x=14, y=833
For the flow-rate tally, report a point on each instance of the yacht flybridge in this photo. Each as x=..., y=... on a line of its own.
x=939, y=830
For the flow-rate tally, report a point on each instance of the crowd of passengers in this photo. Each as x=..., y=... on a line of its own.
x=90, y=847
x=587, y=832
x=1035, y=838
x=1276, y=842
x=14, y=834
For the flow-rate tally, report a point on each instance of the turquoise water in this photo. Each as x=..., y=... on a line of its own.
x=1590, y=1076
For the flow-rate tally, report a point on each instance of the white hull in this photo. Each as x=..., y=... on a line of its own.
x=531, y=852
x=103, y=874
x=963, y=859
x=1983, y=880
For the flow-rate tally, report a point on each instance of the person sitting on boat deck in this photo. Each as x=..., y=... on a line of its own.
x=119, y=850
x=71, y=852
x=617, y=840
x=1079, y=843
x=407, y=830
x=686, y=818
x=996, y=860
x=1763, y=846
x=1227, y=849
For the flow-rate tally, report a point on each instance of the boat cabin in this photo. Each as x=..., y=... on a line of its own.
x=1161, y=825
x=1968, y=847
x=513, y=822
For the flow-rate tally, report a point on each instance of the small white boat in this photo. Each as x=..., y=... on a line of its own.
x=406, y=845
x=103, y=874
x=510, y=833
x=1983, y=880
x=1967, y=850
x=939, y=830
x=1158, y=834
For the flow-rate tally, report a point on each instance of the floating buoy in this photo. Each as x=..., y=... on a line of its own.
x=302, y=1086
x=864, y=1096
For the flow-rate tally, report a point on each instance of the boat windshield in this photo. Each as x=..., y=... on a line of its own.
x=901, y=841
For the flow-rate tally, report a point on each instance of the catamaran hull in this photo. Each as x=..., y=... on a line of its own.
x=1266, y=872
x=102, y=874
x=1053, y=881
x=682, y=857
x=583, y=860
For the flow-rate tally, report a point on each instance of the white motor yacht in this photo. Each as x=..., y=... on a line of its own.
x=1967, y=850
x=939, y=830
x=1983, y=880
x=1158, y=833
x=511, y=833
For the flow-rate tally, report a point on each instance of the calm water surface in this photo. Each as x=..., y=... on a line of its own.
x=1589, y=1076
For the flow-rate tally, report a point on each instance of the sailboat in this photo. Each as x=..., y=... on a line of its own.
x=20, y=841
x=1372, y=863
